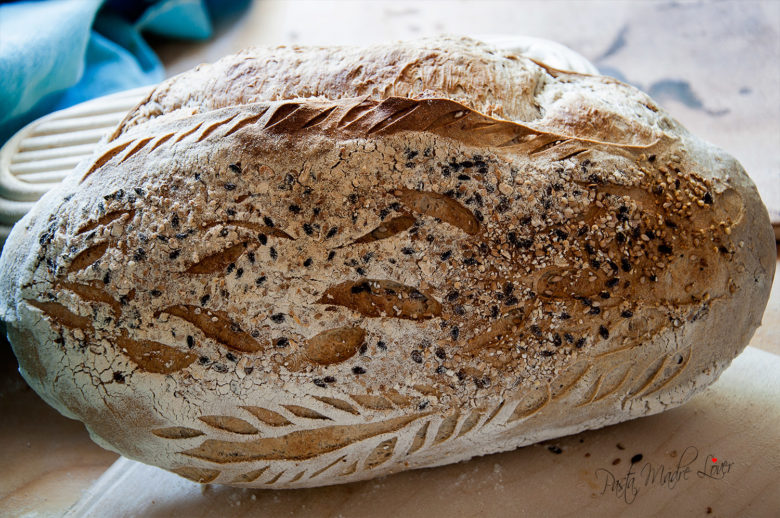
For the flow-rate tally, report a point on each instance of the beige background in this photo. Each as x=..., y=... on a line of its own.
x=714, y=66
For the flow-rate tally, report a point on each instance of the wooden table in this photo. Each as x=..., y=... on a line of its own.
x=715, y=68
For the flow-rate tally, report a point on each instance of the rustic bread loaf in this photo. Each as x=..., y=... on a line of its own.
x=300, y=267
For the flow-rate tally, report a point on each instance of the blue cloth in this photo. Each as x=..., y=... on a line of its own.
x=57, y=53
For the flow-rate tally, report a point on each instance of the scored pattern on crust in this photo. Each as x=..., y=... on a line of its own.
x=451, y=427
x=314, y=431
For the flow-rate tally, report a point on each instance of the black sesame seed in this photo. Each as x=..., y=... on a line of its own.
x=417, y=356
x=589, y=249
x=203, y=360
x=260, y=280
x=251, y=257
x=368, y=256
x=277, y=318
x=482, y=382
x=139, y=255
x=381, y=345
x=594, y=310
x=294, y=209
x=156, y=293
x=595, y=264
x=580, y=343
x=555, y=449
x=239, y=273
x=464, y=177
x=451, y=296
x=565, y=316
x=358, y=370
x=119, y=377
x=230, y=186
x=440, y=354
x=603, y=332
x=268, y=221
x=360, y=288
x=190, y=341
x=204, y=299
x=611, y=283
x=307, y=262
x=353, y=198
x=636, y=458
x=282, y=342
x=231, y=267
x=360, y=271
x=407, y=250
x=262, y=238
x=536, y=330
x=446, y=255
x=363, y=349
x=230, y=357
x=272, y=252
x=665, y=249
x=627, y=313
x=107, y=278
x=441, y=369
x=568, y=337
x=459, y=310
x=547, y=354
x=331, y=232
x=455, y=333
x=175, y=221
x=620, y=237
x=511, y=301
x=604, y=295
x=493, y=311
x=174, y=254
x=308, y=229
x=224, y=232
x=651, y=158
x=557, y=340
x=329, y=379
x=625, y=264
x=331, y=255
x=319, y=382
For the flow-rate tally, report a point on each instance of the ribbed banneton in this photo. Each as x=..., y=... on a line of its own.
x=301, y=267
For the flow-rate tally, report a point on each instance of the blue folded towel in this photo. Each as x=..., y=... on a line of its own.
x=58, y=53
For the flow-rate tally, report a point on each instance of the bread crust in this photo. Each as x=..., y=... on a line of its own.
x=306, y=292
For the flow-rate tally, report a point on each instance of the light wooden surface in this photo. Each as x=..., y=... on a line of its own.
x=716, y=68
x=736, y=421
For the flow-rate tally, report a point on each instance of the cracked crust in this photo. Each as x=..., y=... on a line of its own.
x=302, y=292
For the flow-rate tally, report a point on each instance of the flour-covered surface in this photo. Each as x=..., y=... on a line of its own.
x=735, y=422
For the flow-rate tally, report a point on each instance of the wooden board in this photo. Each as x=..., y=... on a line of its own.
x=736, y=421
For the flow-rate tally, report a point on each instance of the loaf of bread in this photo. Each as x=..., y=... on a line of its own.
x=308, y=266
